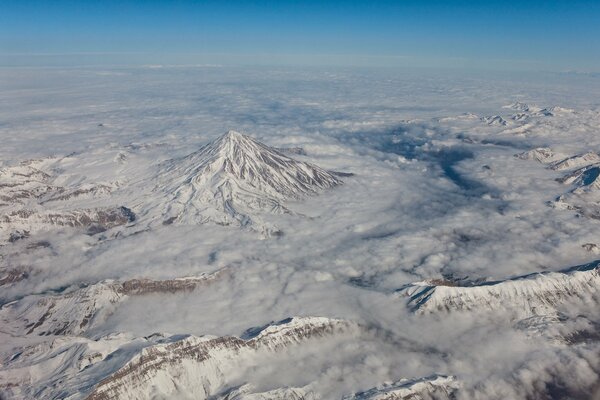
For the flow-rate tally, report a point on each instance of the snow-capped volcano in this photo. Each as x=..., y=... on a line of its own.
x=233, y=176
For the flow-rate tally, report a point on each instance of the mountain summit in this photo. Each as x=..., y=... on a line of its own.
x=235, y=176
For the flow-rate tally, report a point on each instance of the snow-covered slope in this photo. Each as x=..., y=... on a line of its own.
x=544, y=155
x=64, y=366
x=438, y=387
x=30, y=201
x=582, y=173
x=584, y=197
x=522, y=107
x=537, y=293
x=33, y=220
x=579, y=160
x=76, y=312
x=560, y=162
x=233, y=178
x=121, y=366
x=199, y=366
x=585, y=178
x=247, y=392
x=20, y=183
x=494, y=120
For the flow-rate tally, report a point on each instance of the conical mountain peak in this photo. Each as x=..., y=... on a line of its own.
x=234, y=146
x=236, y=175
x=238, y=157
x=232, y=136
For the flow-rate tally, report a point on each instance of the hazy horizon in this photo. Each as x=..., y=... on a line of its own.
x=497, y=35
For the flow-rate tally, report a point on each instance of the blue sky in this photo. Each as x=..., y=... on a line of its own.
x=549, y=35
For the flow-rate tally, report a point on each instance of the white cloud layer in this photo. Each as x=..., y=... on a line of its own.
x=436, y=194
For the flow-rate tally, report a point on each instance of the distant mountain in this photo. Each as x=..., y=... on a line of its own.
x=582, y=174
x=543, y=155
x=494, y=120
x=576, y=161
x=522, y=107
x=232, y=178
x=585, y=178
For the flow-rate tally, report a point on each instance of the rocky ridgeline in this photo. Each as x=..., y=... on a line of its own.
x=538, y=293
x=74, y=313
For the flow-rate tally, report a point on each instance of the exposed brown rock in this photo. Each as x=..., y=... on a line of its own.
x=274, y=337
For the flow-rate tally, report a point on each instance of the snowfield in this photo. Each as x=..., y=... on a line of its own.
x=278, y=233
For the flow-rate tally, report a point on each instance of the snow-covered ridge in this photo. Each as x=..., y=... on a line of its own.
x=28, y=184
x=247, y=392
x=11, y=275
x=98, y=219
x=524, y=108
x=494, y=120
x=582, y=173
x=121, y=366
x=20, y=183
x=199, y=366
x=536, y=293
x=521, y=107
x=29, y=197
x=62, y=366
x=558, y=161
x=432, y=387
x=576, y=161
x=87, y=190
x=586, y=177
x=76, y=312
x=544, y=155
x=232, y=178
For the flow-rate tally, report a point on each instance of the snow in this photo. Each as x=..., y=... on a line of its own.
x=246, y=393
x=543, y=155
x=530, y=294
x=201, y=365
x=133, y=195
x=76, y=312
x=232, y=178
x=438, y=387
x=576, y=161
